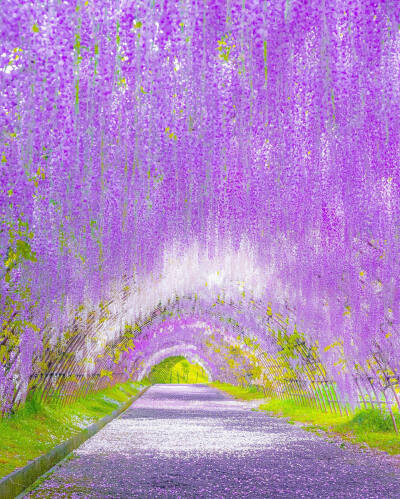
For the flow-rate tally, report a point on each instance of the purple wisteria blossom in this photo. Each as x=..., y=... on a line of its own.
x=231, y=164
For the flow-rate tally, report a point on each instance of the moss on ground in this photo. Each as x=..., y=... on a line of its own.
x=35, y=428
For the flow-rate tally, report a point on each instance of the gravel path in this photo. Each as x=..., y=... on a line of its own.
x=194, y=441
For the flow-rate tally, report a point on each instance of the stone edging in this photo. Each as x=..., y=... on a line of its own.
x=16, y=482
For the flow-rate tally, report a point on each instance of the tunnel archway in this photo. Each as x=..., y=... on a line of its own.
x=247, y=157
x=249, y=342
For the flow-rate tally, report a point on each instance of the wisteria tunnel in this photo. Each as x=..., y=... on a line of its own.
x=213, y=179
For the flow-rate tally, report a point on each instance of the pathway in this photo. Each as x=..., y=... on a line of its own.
x=192, y=441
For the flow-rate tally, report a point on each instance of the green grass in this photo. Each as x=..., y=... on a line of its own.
x=302, y=413
x=238, y=392
x=35, y=429
x=367, y=427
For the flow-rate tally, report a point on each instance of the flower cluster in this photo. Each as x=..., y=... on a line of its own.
x=133, y=131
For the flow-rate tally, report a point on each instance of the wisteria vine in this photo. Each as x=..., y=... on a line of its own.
x=229, y=151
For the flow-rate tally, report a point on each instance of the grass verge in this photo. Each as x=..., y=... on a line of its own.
x=367, y=427
x=35, y=429
x=238, y=392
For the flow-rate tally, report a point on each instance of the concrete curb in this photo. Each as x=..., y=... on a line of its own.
x=16, y=482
